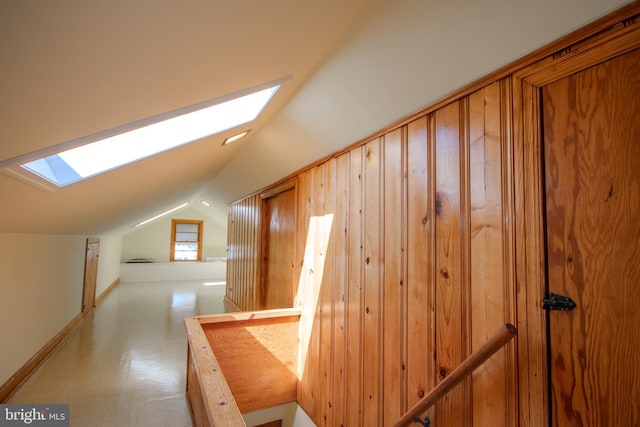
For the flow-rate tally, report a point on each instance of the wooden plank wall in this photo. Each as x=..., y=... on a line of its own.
x=404, y=251
x=409, y=246
x=243, y=253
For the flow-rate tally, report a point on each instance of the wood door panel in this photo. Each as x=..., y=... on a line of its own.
x=90, y=274
x=279, y=253
x=592, y=178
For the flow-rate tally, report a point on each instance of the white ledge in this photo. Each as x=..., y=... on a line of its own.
x=161, y=271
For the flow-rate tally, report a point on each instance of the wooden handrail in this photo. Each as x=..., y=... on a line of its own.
x=209, y=392
x=495, y=343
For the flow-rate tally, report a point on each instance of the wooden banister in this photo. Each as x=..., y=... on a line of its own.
x=252, y=348
x=495, y=343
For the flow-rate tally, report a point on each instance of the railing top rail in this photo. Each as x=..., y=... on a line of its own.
x=495, y=343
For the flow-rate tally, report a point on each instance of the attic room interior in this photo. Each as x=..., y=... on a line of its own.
x=427, y=180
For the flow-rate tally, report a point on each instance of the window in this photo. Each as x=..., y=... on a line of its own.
x=186, y=240
x=85, y=157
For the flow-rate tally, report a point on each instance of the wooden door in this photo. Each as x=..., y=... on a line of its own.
x=279, y=243
x=591, y=126
x=90, y=274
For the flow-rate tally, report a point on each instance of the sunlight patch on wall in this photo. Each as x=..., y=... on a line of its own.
x=310, y=281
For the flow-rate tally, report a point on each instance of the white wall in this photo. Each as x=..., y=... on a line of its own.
x=41, y=278
x=154, y=239
x=291, y=414
x=108, y=262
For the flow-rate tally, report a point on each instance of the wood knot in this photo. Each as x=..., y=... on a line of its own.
x=609, y=193
x=440, y=198
x=443, y=373
x=420, y=394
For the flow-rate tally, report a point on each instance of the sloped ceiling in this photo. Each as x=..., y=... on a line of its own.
x=71, y=68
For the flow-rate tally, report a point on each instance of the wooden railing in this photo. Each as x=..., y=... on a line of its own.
x=495, y=343
x=239, y=363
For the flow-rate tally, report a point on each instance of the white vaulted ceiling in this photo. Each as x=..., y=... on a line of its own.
x=71, y=68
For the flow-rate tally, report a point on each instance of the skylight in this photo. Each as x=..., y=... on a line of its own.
x=141, y=140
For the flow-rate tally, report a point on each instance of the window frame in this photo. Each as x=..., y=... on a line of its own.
x=172, y=248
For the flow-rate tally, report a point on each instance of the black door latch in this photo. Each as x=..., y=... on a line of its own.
x=558, y=302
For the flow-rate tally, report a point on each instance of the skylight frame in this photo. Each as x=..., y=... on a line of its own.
x=14, y=166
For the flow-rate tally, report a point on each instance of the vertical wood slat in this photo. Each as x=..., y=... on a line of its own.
x=355, y=310
x=393, y=285
x=486, y=245
x=319, y=256
x=508, y=236
x=449, y=281
x=314, y=298
x=255, y=244
x=247, y=250
x=372, y=346
x=340, y=280
x=420, y=308
x=244, y=255
x=465, y=259
x=327, y=315
x=305, y=393
x=532, y=376
x=301, y=233
x=231, y=244
x=244, y=252
x=243, y=259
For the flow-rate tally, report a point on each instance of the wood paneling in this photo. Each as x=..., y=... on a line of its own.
x=408, y=315
x=434, y=240
x=395, y=239
x=592, y=182
x=243, y=252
